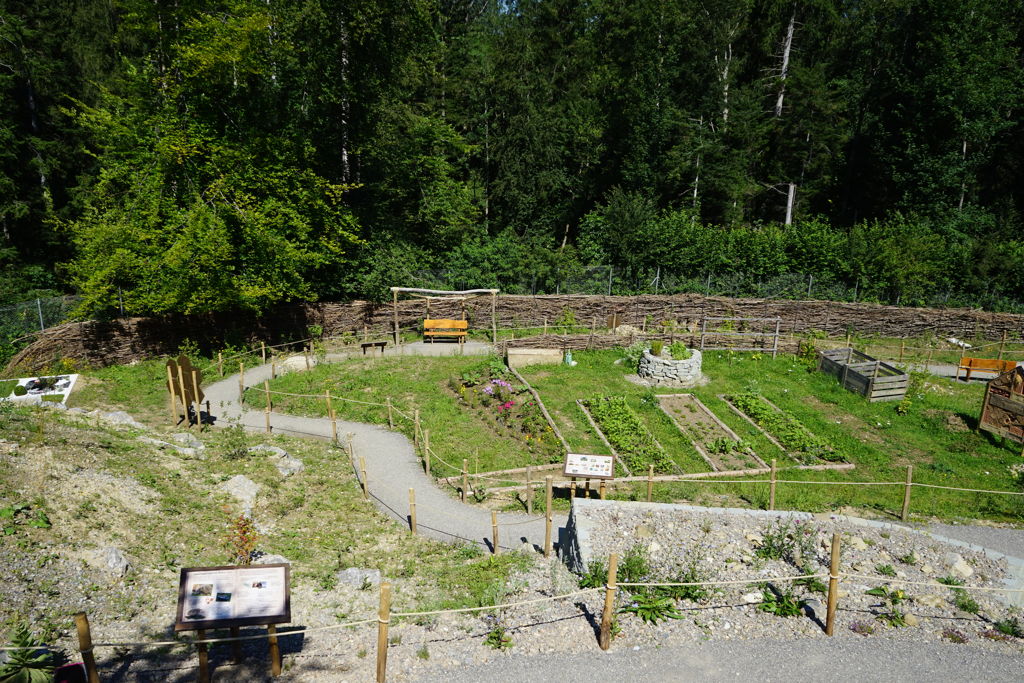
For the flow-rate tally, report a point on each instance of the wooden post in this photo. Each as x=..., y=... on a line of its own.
x=184, y=393
x=412, y=511
x=85, y=647
x=903, y=344
x=395, y=307
x=572, y=488
x=275, y=651
x=547, y=517
x=545, y=325
x=426, y=440
x=362, y=473
x=833, y=586
x=305, y=355
x=331, y=415
x=1002, y=345
x=241, y=384
x=273, y=369
x=771, y=488
x=494, y=317
x=236, y=645
x=650, y=483
x=416, y=428
x=494, y=532
x=383, y=619
x=391, y=416
x=529, y=490
x=204, y=659
x=601, y=490
x=426, y=451
x=266, y=389
x=848, y=340
x=775, y=349
x=605, y=639
x=195, y=397
x=586, y=489
x=465, y=478
x=220, y=363
x=174, y=396
x=263, y=352
x=905, y=513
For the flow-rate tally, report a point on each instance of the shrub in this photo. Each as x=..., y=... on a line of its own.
x=656, y=347
x=19, y=390
x=633, y=353
x=241, y=540
x=1010, y=627
x=679, y=351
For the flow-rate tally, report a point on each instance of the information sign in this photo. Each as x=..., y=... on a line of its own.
x=222, y=597
x=589, y=466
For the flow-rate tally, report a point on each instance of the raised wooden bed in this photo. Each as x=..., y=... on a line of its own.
x=704, y=430
x=864, y=375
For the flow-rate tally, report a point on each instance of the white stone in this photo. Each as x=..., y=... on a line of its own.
x=297, y=363
x=752, y=598
x=242, y=488
x=930, y=600
x=857, y=543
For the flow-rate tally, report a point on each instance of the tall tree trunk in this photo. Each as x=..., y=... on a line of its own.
x=787, y=45
x=790, y=198
x=963, y=183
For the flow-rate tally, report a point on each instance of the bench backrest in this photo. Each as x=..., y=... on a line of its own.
x=445, y=324
x=987, y=364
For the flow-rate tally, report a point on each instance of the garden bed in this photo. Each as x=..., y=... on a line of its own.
x=721, y=449
x=627, y=434
x=784, y=430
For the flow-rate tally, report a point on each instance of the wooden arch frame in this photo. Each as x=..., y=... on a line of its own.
x=429, y=294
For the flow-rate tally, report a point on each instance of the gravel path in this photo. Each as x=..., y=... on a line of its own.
x=392, y=466
x=847, y=659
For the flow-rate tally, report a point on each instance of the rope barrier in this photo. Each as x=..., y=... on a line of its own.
x=934, y=584
x=729, y=582
x=491, y=607
x=954, y=488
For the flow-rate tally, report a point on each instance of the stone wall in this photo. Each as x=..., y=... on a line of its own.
x=664, y=370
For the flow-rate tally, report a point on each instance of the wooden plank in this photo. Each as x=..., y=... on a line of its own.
x=889, y=392
x=892, y=381
x=1013, y=405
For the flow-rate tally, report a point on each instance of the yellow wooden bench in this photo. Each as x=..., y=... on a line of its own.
x=445, y=328
x=992, y=365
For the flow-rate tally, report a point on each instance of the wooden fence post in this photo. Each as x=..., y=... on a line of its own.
x=266, y=413
x=426, y=440
x=833, y=586
x=586, y=489
x=545, y=325
x=605, y=639
x=416, y=428
x=273, y=369
x=220, y=363
x=195, y=397
x=601, y=490
x=465, y=478
x=174, y=396
x=572, y=488
x=383, y=619
x=905, y=513
x=391, y=417
x=426, y=452
x=650, y=483
x=547, y=517
x=330, y=414
x=204, y=658
x=305, y=354
x=275, y=651
x=903, y=343
x=494, y=532
x=1002, y=345
x=412, y=511
x=184, y=393
x=236, y=645
x=263, y=352
x=771, y=489
x=529, y=490
x=362, y=472
x=85, y=647
x=241, y=384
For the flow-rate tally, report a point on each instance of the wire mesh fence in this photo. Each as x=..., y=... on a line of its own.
x=35, y=315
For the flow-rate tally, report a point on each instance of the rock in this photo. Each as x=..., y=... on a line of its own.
x=755, y=538
x=111, y=560
x=180, y=450
x=654, y=548
x=911, y=620
x=297, y=363
x=643, y=531
x=959, y=566
x=188, y=440
x=927, y=569
x=289, y=466
x=119, y=417
x=242, y=488
x=814, y=608
x=627, y=331
x=857, y=543
x=266, y=448
x=271, y=559
x=359, y=577
x=751, y=598
x=930, y=600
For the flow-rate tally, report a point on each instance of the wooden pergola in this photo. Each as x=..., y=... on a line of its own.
x=429, y=295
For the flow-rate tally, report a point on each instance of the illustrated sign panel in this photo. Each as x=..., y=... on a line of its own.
x=55, y=388
x=180, y=380
x=219, y=597
x=589, y=466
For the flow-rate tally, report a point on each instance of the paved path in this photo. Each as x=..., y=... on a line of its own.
x=392, y=466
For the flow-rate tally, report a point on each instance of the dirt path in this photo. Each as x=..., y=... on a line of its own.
x=392, y=466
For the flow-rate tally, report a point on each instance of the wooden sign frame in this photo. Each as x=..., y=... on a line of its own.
x=282, y=617
x=574, y=459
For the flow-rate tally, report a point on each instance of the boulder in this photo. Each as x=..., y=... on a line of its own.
x=119, y=417
x=242, y=488
x=354, y=576
x=288, y=466
x=271, y=559
x=297, y=363
x=110, y=560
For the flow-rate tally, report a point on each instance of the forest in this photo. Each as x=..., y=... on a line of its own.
x=212, y=155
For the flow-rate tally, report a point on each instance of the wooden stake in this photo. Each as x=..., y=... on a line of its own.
x=416, y=428
x=426, y=452
x=305, y=354
x=273, y=369
x=650, y=483
x=545, y=325
x=903, y=344
x=494, y=318
x=220, y=363
x=241, y=384
x=426, y=440
x=195, y=397
x=601, y=490
x=85, y=647
x=586, y=489
x=236, y=645
x=905, y=513
x=204, y=659
x=771, y=489
x=833, y=587
x=395, y=305
x=494, y=532
x=174, y=396
x=529, y=490
x=184, y=393
x=605, y=639
x=366, y=333
x=465, y=478
x=275, y=651
x=334, y=420
x=572, y=488
x=263, y=352
x=362, y=471
x=412, y=511
x=266, y=389
x=383, y=619
x=391, y=417
x=1002, y=345
x=547, y=517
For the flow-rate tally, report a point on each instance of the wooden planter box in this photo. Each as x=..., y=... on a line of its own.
x=864, y=375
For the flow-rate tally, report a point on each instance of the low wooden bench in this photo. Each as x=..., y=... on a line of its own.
x=993, y=365
x=373, y=344
x=445, y=328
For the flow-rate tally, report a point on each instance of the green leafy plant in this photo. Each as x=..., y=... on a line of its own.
x=678, y=351
x=497, y=637
x=633, y=353
x=885, y=569
x=652, y=608
x=909, y=559
x=656, y=347
x=1010, y=627
x=784, y=427
x=627, y=433
x=235, y=442
x=19, y=390
x=890, y=599
x=903, y=407
x=781, y=603
x=954, y=636
x=423, y=653
x=950, y=581
x=596, y=576
x=31, y=664
x=965, y=602
x=813, y=585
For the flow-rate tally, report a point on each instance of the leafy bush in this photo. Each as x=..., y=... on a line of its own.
x=652, y=608
x=627, y=433
x=27, y=665
x=656, y=347
x=596, y=576
x=679, y=351
x=780, y=603
x=1010, y=627
x=965, y=602
x=633, y=353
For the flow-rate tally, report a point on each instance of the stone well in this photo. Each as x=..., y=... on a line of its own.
x=677, y=373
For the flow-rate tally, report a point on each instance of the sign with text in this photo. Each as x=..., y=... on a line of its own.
x=589, y=466
x=221, y=597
